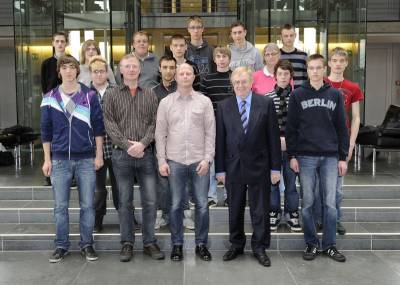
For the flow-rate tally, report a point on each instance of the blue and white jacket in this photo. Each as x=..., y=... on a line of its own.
x=74, y=138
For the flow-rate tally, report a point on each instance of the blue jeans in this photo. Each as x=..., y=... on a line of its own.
x=291, y=194
x=178, y=178
x=326, y=169
x=319, y=208
x=126, y=168
x=212, y=192
x=61, y=176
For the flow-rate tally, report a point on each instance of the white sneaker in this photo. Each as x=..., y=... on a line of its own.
x=160, y=222
x=188, y=220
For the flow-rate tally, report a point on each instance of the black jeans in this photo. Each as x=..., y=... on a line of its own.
x=100, y=196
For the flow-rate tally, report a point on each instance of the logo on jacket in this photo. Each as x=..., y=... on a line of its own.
x=317, y=102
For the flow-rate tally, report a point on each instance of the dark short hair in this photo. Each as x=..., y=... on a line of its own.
x=63, y=34
x=316, y=56
x=67, y=59
x=167, y=57
x=178, y=37
x=287, y=27
x=238, y=24
x=284, y=65
x=141, y=33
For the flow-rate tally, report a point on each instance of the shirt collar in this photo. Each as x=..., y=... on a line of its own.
x=180, y=96
x=248, y=99
x=266, y=72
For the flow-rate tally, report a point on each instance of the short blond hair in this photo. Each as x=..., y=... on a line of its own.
x=195, y=18
x=96, y=61
x=243, y=69
x=339, y=51
x=129, y=56
x=222, y=50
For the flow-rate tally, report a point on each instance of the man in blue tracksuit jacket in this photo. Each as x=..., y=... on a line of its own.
x=72, y=132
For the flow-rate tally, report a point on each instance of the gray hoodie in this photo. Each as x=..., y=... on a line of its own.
x=202, y=56
x=248, y=56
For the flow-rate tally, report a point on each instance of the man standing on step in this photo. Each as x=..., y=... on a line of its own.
x=72, y=130
x=318, y=142
x=295, y=56
x=130, y=117
x=48, y=72
x=185, y=140
x=248, y=159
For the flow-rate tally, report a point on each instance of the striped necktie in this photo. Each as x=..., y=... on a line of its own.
x=243, y=116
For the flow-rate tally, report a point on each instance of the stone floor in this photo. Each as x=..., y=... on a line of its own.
x=363, y=268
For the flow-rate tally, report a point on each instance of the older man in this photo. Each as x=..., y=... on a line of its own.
x=248, y=159
x=130, y=115
x=185, y=141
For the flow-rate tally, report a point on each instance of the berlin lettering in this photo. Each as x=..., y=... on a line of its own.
x=318, y=103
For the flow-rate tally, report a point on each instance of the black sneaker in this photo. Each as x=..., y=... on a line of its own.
x=212, y=203
x=126, y=253
x=274, y=219
x=341, y=230
x=336, y=255
x=89, y=253
x=292, y=219
x=310, y=253
x=58, y=255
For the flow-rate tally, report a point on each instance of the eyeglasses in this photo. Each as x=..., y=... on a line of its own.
x=99, y=71
x=195, y=27
x=271, y=54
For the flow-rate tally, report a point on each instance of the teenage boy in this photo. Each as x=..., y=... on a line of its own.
x=166, y=86
x=98, y=68
x=217, y=86
x=178, y=48
x=352, y=95
x=283, y=73
x=296, y=57
x=243, y=52
x=199, y=51
x=72, y=131
x=48, y=72
x=317, y=145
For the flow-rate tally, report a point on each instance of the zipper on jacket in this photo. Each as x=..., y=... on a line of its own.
x=69, y=139
x=88, y=134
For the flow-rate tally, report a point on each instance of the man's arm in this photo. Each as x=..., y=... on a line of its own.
x=209, y=125
x=153, y=104
x=220, y=143
x=161, y=133
x=46, y=168
x=273, y=137
x=355, y=126
x=98, y=160
x=43, y=77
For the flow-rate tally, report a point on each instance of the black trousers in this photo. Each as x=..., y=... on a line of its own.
x=100, y=196
x=259, y=195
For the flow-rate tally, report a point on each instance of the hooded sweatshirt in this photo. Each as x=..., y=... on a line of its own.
x=316, y=123
x=248, y=56
x=202, y=56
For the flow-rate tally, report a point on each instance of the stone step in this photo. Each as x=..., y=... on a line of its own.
x=360, y=236
x=351, y=191
x=41, y=211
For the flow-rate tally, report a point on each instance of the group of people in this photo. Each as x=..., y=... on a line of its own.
x=181, y=124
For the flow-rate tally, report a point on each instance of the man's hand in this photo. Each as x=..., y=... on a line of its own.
x=164, y=170
x=351, y=149
x=342, y=167
x=283, y=144
x=221, y=178
x=294, y=165
x=275, y=177
x=46, y=168
x=98, y=162
x=136, y=149
x=202, y=168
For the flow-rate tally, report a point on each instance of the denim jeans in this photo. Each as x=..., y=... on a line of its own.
x=100, y=196
x=212, y=192
x=126, y=168
x=291, y=194
x=319, y=208
x=178, y=178
x=326, y=169
x=163, y=195
x=61, y=176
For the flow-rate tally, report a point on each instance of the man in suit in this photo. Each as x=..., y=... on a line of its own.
x=248, y=158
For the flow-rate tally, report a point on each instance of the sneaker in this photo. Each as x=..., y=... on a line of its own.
x=157, y=224
x=274, y=219
x=154, y=252
x=212, y=203
x=310, y=253
x=126, y=252
x=58, y=255
x=336, y=255
x=191, y=202
x=341, y=230
x=188, y=220
x=292, y=220
x=89, y=253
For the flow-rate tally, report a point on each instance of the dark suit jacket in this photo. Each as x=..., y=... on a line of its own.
x=247, y=158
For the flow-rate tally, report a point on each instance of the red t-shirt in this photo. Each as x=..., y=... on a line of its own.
x=351, y=93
